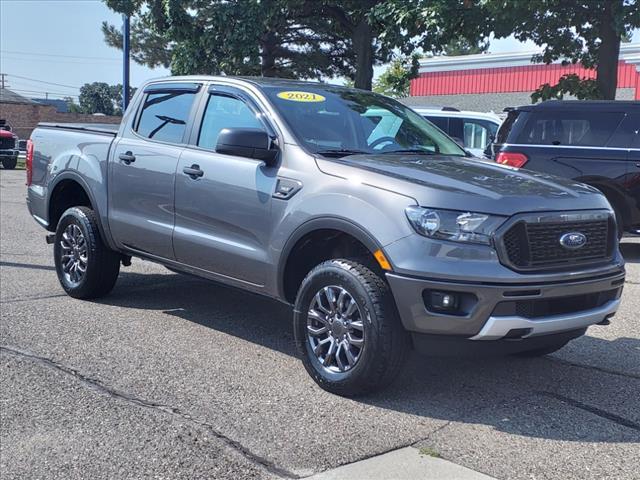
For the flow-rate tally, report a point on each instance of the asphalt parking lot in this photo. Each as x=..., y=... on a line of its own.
x=174, y=377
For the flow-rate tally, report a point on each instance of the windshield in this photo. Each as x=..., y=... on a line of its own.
x=337, y=121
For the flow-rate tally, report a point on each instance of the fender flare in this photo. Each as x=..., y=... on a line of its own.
x=74, y=176
x=323, y=223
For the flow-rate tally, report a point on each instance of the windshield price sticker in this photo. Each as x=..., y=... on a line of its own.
x=301, y=97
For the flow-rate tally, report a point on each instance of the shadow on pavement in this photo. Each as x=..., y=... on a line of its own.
x=535, y=395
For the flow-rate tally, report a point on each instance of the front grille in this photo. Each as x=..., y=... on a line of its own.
x=7, y=143
x=530, y=246
x=544, y=307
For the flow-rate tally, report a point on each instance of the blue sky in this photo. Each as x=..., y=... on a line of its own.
x=60, y=42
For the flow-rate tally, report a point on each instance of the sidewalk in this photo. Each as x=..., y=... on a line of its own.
x=403, y=464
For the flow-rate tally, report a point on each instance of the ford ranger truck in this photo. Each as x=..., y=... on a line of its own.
x=380, y=231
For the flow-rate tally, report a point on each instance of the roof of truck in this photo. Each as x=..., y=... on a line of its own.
x=260, y=81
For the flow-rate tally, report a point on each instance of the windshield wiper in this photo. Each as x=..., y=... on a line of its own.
x=340, y=152
x=411, y=150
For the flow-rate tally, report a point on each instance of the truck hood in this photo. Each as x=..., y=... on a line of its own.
x=457, y=183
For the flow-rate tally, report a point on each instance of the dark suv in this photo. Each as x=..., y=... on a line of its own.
x=595, y=142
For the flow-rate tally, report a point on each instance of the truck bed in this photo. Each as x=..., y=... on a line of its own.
x=104, y=128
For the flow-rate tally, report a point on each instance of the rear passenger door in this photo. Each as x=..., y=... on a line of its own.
x=142, y=169
x=223, y=216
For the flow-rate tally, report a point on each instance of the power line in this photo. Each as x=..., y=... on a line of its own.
x=42, y=81
x=41, y=92
x=13, y=58
x=60, y=56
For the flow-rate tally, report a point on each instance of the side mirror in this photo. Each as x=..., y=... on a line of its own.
x=248, y=143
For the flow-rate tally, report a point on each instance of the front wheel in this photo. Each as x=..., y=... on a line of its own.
x=9, y=163
x=86, y=267
x=347, y=329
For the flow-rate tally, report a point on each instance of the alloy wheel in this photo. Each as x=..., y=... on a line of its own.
x=335, y=329
x=74, y=254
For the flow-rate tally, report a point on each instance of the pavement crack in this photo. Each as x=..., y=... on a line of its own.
x=597, y=369
x=100, y=388
x=625, y=422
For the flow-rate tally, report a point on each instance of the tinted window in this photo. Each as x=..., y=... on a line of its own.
x=569, y=128
x=478, y=133
x=441, y=122
x=224, y=112
x=507, y=125
x=627, y=133
x=164, y=116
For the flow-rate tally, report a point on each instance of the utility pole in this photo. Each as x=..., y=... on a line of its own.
x=2, y=75
x=125, y=62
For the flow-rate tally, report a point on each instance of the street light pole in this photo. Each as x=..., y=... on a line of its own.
x=125, y=62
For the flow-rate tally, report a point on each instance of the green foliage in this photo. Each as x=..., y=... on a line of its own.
x=574, y=31
x=571, y=84
x=100, y=97
x=462, y=46
x=396, y=79
x=306, y=39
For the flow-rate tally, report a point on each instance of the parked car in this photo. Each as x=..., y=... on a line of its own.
x=288, y=189
x=594, y=142
x=8, y=148
x=473, y=130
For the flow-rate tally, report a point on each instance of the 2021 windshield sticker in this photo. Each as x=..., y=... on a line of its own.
x=301, y=96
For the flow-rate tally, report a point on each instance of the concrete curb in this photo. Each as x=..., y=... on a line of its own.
x=403, y=464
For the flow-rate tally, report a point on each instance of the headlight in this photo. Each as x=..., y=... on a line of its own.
x=452, y=225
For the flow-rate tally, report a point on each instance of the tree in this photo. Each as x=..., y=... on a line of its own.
x=307, y=39
x=573, y=31
x=462, y=46
x=236, y=37
x=96, y=97
x=396, y=79
x=100, y=97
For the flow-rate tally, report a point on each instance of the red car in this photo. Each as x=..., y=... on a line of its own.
x=8, y=149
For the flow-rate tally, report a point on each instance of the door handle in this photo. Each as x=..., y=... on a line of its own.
x=193, y=171
x=127, y=157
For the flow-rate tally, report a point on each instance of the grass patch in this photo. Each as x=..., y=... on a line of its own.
x=430, y=452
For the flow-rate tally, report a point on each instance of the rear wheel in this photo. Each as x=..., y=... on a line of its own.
x=9, y=163
x=347, y=329
x=86, y=267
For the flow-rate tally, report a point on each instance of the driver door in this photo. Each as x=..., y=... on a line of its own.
x=223, y=216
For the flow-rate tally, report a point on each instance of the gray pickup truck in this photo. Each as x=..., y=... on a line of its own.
x=380, y=231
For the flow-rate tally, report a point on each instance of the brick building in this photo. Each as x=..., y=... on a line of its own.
x=23, y=114
x=493, y=81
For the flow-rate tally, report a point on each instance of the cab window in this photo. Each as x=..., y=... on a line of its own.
x=223, y=111
x=164, y=116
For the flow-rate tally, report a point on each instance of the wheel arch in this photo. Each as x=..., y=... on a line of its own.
x=317, y=226
x=71, y=190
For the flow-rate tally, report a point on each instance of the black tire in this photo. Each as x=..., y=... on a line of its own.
x=386, y=343
x=540, y=352
x=102, y=264
x=9, y=163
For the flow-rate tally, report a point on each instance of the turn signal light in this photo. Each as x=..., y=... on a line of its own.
x=28, y=163
x=512, y=159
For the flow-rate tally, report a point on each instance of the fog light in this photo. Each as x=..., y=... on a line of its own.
x=444, y=300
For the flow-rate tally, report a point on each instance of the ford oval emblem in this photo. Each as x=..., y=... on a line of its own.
x=573, y=240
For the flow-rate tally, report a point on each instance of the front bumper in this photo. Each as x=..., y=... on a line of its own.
x=508, y=310
x=9, y=153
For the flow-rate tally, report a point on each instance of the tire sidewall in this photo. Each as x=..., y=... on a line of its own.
x=336, y=275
